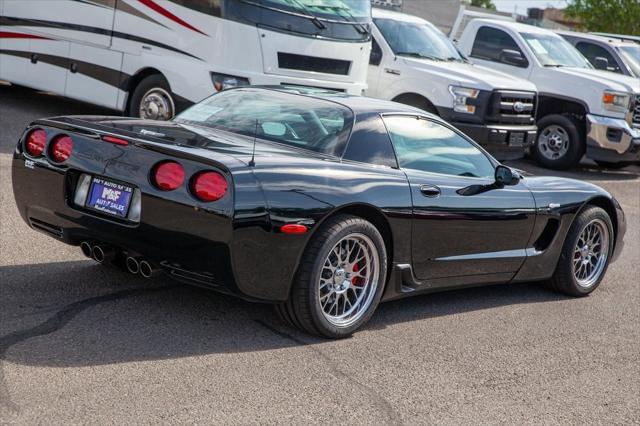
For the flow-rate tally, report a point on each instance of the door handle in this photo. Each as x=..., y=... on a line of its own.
x=73, y=68
x=430, y=191
x=392, y=71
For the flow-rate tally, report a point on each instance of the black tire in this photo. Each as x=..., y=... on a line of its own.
x=157, y=84
x=569, y=127
x=564, y=279
x=303, y=309
x=612, y=166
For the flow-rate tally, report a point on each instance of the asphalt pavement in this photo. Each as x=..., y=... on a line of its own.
x=82, y=343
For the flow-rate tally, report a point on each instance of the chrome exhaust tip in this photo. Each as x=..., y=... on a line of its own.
x=85, y=247
x=147, y=270
x=102, y=253
x=133, y=265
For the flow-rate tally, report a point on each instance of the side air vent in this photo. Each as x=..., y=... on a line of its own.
x=545, y=238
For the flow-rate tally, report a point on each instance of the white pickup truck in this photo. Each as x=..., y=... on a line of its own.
x=580, y=109
x=412, y=62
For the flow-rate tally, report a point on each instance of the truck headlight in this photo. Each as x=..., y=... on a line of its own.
x=461, y=96
x=616, y=101
x=224, y=81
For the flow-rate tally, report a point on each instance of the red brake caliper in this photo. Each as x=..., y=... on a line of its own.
x=355, y=280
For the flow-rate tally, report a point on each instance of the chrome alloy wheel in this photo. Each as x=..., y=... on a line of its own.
x=590, y=253
x=553, y=142
x=349, y=280
x=157, y=104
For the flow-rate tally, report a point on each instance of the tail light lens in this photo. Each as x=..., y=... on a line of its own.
x=168, y=175
x=61, y=148
x=36, y=142
x=209, y=186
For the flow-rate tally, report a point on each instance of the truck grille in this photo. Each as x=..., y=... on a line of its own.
x=510, y=107
x=635, y=110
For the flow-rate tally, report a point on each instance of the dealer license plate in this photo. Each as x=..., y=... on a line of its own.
x=109, y=197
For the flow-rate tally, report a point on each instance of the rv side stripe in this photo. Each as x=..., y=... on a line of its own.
x=106, y=75
x=7, y=34
x=164, y=12
x=11, y=21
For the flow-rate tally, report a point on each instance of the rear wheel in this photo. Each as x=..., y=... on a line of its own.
x=559, y=144
x=340, y=279
x=585, y=254
x=152, y=99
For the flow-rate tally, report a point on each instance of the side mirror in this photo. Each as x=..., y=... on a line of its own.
x=506, y=176
x=375, y=57
x=512, y=57
x=601, y=63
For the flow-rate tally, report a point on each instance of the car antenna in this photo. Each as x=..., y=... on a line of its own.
x=253, y=152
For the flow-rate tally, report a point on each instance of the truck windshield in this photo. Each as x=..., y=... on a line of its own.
x=632, y=55
x=554, y=51
x=304, y=122
x=339, y=10
x=421, y=40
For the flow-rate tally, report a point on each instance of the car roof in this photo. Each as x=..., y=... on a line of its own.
x=358, y=104
x=396, y=16
x=596, y=37
x=515, y=26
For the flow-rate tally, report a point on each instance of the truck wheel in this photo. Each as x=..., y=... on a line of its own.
x=152, y=99
x=340, y=279
x=559, y=145
x=417, y=101
x=585, y=254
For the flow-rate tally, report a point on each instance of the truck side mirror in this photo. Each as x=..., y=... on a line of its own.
x=512, y=57
x=375, y=57
x=601, y=63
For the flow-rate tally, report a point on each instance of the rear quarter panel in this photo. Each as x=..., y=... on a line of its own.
x=308, y=191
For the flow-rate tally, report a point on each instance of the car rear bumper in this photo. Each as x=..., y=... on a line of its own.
x=505, y=142
x=612, y=140
x=189, y=244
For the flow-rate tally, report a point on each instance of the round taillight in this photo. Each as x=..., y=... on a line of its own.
x=168, y=175
x=36, y=141
x=61, y=148
x=209, y=186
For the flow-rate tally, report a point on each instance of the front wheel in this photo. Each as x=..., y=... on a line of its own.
x=585, y=254
x=559, y=145
x=340, y=279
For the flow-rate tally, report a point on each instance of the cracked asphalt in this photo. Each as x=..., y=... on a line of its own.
x=82, y=343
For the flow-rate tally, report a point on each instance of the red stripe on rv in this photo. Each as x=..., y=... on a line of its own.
x=164, y=12
x=7, y=34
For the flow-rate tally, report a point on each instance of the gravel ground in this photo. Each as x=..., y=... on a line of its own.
x=81, y=343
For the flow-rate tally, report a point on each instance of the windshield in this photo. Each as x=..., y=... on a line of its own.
x=300, y=121
x=419, y=40
x=339, y=10
x=554, y=51
x=632, y=56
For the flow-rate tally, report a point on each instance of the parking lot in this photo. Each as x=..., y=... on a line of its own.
x=83, y=343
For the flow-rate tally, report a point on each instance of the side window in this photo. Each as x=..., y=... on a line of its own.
x=428, y=146
x=592, y=51
x=376, y=53
x=370, y=143
x=491, y=43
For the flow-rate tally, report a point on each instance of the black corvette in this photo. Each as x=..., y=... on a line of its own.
x=322, y=203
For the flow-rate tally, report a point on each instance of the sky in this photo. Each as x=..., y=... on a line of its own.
x=523, y=5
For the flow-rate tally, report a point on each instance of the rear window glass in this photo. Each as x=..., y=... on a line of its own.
x=304, y=122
